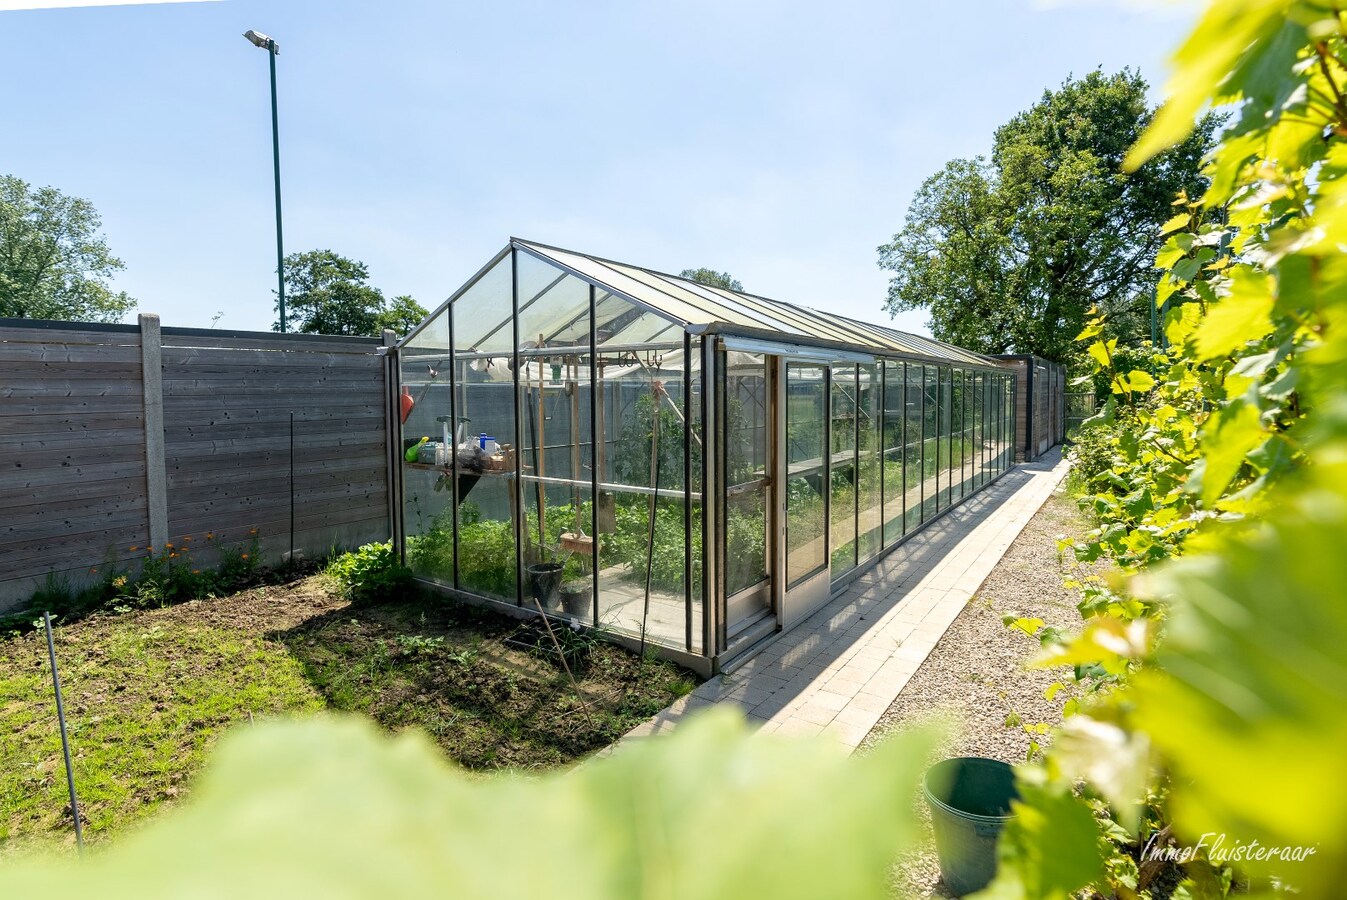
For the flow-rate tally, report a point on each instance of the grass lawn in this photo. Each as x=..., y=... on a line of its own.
x=148, y=692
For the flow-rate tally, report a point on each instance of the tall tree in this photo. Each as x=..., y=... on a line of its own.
x=326, y=293
x=712, y=278
x=53, y=262
x=1009, y=253
x=401, y=314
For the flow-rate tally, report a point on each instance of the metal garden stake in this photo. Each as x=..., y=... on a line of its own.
x=65, y=741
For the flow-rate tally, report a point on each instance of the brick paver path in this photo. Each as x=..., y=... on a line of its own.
x=839, y=670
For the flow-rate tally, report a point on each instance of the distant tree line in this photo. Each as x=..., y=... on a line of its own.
x=1007, y=253
x=54, y=264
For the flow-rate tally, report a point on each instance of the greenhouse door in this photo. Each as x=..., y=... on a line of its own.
x=802, y=505
x=749, y=383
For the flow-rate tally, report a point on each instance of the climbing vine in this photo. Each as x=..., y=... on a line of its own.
x=1215, y=664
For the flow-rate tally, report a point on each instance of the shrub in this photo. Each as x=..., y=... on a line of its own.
x=372, y=572
x=1092, y=453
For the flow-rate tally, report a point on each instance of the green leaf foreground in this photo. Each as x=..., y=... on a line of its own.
x=1246, y=701
x=1212, y=666
x=333, y=808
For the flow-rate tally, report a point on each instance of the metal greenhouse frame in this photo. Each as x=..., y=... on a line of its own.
x=685, y=466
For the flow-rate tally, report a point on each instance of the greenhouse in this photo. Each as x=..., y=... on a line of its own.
x=686, y=467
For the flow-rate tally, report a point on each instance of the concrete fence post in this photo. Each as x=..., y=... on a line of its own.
x=156, y=474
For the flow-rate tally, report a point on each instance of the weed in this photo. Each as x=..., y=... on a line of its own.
x=467, y=657
x=54, y=594
x=372, y=572
x=682, y=686
x=416, y=645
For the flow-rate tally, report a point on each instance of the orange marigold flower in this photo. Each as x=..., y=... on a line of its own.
x=244, y=556
x=253, y=531
x=168, y=546
x=196, y=571
x=93, y=571
x=210, y=535
x=171, y=555
x=135, y=548
x=187, y=540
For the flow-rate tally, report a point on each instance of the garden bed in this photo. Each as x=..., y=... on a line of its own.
x=148, y=692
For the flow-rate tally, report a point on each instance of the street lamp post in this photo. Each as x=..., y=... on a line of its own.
x=262, y=41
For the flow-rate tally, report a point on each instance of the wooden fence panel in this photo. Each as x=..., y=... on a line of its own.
x=76, y=468
x=72, y=458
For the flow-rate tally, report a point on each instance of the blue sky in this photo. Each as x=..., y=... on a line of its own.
x=780, y=141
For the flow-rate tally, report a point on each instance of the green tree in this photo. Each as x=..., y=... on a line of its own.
x=53, y=262
x=402, y=314
x=326, y=293
x=1008, y=253
x=712, y=278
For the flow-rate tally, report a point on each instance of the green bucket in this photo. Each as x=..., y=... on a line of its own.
x=969, y=799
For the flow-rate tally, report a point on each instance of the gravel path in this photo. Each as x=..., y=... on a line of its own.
x=975, y=677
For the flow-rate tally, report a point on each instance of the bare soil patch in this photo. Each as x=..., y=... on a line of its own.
x=148, y=692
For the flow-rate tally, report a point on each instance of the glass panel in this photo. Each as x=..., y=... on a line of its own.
x=626, y=326
x=996, y=413
x=956, y=450
x=806, y=418
x=979, y=429
x=692, y=541
x=930, y=470
x=969, y=446
x=994, y=399
x=912, y=435
x=946, y=436
x=1007, y=451
x=955, y=435
x=842, y=480
x=869, y=455
x=640, y=463
x=982, y=427
x=798, y=320
x=746, y=481
x=717, y=302
x=996, y=426
x=427, y=510
x=605, y=274
x=1001, y=424
x=481, y=387
x=892, y=441
x=554, y=404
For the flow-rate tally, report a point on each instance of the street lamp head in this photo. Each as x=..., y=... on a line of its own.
x=258, y=39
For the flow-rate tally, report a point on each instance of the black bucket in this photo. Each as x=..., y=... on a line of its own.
x=577, y=597
x=969, y=799
x=544, y=579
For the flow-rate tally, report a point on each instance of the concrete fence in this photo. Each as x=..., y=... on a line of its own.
x=116, y=438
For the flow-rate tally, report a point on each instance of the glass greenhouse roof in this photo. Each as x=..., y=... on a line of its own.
x=700, y=309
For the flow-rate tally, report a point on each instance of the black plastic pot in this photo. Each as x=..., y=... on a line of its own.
x=544, y=578
x=577, y=597
x=969, y=799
